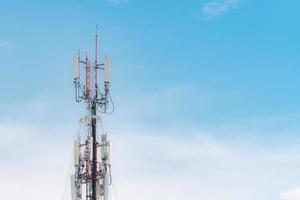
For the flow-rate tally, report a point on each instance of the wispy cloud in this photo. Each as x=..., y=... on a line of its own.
x=118, y=2
x=4, y=44
x=291, y=194
x=213, y=8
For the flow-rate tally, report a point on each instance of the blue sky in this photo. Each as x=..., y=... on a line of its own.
x=224, y=71
x=244, y=60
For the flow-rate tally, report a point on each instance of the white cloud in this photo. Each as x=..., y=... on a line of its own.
x=214, y=8
x=149, y=163
x=34, y=162
x=118, y=2
x=291, y=194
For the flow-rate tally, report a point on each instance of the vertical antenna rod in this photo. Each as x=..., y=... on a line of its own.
x=96, y=60
x=87, y=75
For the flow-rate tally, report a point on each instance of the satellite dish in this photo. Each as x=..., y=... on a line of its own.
x=76, y=67
x=106, y=70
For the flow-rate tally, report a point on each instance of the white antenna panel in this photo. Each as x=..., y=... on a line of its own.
x=106, y=70
x=76, y=68
x=109, y=152
x=76, y=152
x=106, y=184
x=73, y=188
x=98, y=190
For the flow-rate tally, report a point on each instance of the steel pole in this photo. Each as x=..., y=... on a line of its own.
x=94, y=162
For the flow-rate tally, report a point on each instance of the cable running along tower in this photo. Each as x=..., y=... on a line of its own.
x=92, y=175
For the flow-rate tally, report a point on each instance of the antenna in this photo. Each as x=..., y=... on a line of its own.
x=76, y=67
x=87, y=74
x=92, y=169
x=106, y=70
x=96, y=58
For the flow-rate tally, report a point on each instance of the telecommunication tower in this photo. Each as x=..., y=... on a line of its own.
x=91, y=152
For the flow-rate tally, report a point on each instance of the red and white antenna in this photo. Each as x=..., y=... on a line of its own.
x=96, y=59
x=87, y=74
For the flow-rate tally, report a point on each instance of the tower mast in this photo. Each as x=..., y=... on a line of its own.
x=94, y=113
x=92, y=157
x=94, y=163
